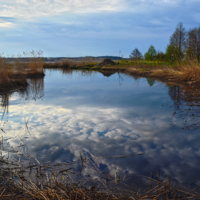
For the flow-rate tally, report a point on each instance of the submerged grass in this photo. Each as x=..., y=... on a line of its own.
x=41, y=180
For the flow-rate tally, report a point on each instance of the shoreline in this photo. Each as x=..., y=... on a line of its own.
x=160, y=189
x=184, y=76
x=19, y=81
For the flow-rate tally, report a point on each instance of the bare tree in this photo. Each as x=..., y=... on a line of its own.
x=135, y=54
x=178, y=40
x=193, y=44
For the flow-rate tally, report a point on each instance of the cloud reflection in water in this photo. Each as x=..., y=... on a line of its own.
x=100, y=116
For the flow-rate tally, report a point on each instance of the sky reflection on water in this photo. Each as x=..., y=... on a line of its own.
x=70, y=112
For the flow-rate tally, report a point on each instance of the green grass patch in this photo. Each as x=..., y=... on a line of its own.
x=86, y=67
x=96, y=68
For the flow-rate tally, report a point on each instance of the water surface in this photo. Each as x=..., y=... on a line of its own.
x=69, y=112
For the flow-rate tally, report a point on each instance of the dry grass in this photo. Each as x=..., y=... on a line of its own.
x=35, y=63
x=32, y=179
x=6, y=71
x=9, y=76
x=16, y=186
x=185, y=73
x=13, y=75
x=29, y=178
x=74, y=63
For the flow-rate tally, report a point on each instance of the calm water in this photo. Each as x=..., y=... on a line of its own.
x=73, y=111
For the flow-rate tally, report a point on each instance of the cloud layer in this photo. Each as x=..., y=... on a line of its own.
x=80, y=28
x=40, y=8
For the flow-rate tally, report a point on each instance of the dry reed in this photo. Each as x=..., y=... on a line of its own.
x=13, y=74
x=74, y=63
x=9, y=78
x=33, y=179
x=184, y=73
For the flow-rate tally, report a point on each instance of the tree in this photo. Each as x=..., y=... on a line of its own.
x=175, y=94
x=178, y=40
x=151, y=53
x=150, y=82
x=135, y=54
x=193, y=44
x=170, y=53
x=160, y=56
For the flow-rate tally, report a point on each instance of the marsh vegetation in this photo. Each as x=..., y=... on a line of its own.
x=14, y=73
x=96, y=118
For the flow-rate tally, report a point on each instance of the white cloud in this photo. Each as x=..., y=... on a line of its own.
x=6, y=24
x=39, y=8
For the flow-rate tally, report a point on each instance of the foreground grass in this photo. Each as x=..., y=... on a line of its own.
x=54, y=182
x=31, y=178
x=58, y=181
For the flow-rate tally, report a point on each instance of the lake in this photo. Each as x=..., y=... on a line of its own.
x=111, y=116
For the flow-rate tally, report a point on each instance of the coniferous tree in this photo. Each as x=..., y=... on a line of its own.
x=151, y=53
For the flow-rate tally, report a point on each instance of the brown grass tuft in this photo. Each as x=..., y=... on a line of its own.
x=185, y=73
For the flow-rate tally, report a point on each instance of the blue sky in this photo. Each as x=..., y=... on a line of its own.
x=92, y=27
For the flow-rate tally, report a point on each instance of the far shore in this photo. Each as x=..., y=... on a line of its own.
x=184, y=74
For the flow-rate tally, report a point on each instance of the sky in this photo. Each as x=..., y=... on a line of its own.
x=71, y=28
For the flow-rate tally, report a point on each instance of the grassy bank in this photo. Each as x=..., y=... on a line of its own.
x=186, y=74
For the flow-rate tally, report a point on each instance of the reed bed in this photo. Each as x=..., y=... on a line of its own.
x=9, y=78
x=34, y=63
x=84, y=63
x=14, y=74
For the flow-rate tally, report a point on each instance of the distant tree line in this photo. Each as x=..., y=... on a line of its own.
x=183, y=45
